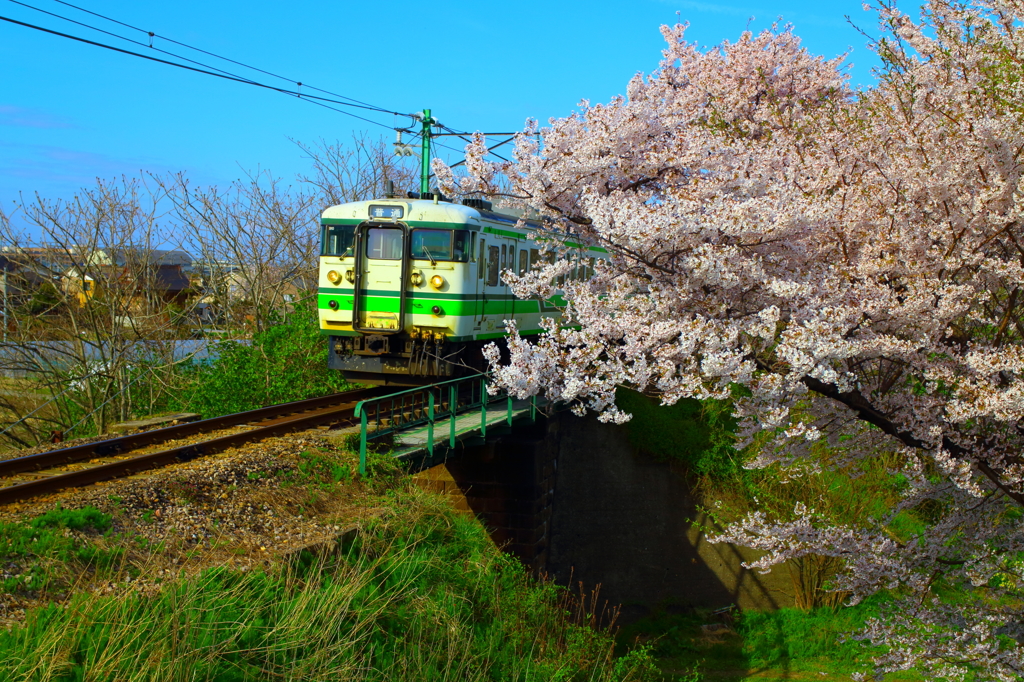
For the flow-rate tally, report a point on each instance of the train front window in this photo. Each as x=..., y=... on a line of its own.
x=339, y=240
x=440, y=245
x=384, y=243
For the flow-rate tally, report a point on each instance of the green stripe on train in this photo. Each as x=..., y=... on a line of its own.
x=458, y=307
x=346, y=295
x=463, y=308
x=430, y=295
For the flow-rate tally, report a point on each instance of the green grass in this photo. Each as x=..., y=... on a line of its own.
x=698, y=434
x=786, y=644
x=420, y=594
x=790, y=636
x=37, y=555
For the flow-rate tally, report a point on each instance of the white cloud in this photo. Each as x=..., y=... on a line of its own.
x=22, y=117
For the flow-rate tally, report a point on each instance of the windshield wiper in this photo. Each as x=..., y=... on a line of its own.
x=433, y=263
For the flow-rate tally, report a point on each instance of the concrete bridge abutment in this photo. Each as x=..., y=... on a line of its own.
x=573, y=499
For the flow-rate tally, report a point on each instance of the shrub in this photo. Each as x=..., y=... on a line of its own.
x=284, y=363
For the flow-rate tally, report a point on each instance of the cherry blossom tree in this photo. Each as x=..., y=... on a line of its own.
x=846, y=265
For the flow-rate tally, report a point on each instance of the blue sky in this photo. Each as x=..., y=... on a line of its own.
x=70, y=112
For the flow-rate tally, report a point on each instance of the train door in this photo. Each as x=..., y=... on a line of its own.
x=522, y=267
x=480, y=313
x=380, y=275
x=508, y=259
x=491, y=307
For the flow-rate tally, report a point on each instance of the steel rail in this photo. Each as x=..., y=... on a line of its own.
x=313, y=415
x=122, y=444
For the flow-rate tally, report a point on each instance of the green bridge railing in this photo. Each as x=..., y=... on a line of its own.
x=429, y=405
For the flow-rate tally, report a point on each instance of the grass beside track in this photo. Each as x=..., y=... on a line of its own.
x=419, y=594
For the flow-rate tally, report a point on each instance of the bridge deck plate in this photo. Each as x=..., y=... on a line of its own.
x=414, y=440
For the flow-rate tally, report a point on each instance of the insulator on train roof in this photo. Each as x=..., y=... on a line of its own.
x=479, y=204
x=389, y=189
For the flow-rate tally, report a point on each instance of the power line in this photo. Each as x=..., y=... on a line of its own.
x=489, y=149
x=462, y=136
x=357, y=103
x=452, y=133
x=210, y=70
x=192, y=61
x=134, y=42
x=151, y=34
x=225, y=76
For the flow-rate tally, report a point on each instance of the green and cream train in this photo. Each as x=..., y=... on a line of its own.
x=410, y=290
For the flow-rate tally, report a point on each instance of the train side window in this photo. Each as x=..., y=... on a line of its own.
x=338, y=240
x=481, y=260
x=503, y=257
x=524, y=264
x=534, y=257
x=462, y=245
x=493, y=265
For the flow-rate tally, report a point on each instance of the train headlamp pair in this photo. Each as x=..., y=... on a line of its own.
x=334, y=276
x=437, y=281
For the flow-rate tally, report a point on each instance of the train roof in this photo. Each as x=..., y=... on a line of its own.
x=423, y=211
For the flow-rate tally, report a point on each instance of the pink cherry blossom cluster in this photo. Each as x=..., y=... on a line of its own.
x=854, y=258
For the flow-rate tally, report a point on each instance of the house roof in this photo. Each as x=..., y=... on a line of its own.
x=132, y=255
x=171, y=278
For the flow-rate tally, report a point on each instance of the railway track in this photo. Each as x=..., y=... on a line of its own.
x=82, y=465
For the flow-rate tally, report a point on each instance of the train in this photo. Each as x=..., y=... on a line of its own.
x=411, y=289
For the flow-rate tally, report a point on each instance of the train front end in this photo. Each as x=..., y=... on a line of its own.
x=396, y=289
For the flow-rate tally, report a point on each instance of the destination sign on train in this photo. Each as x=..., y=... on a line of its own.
x=378, y=211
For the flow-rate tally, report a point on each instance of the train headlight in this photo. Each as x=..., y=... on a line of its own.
x=334, y=276
x=437, y=281
x=416, y=278
x=350, y=275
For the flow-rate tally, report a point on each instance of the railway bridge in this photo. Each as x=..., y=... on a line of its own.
x=569, y=496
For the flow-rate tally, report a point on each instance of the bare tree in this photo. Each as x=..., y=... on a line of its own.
x=354, y=171
x=86, y=309
x=258, y=242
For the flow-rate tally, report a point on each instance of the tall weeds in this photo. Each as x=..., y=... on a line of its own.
x=419, y=595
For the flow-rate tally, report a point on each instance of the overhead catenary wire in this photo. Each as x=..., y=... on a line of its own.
x=322, y=101
x=134, y=42
x=210, y=70
x=151, y=34
x=489, y=149
x=462, y=136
